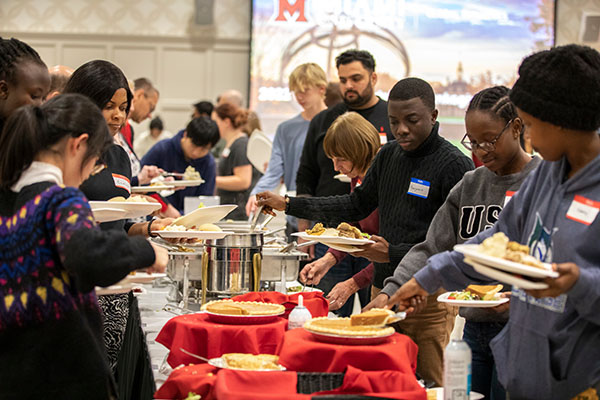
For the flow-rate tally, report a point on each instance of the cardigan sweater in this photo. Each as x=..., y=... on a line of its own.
x=407, y=186
x=51, y=257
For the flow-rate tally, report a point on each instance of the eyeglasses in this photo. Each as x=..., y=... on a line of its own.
x=485, y=146
x=97, y=168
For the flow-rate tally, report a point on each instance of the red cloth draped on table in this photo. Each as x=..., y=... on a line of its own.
x=206, y=381
x=314, y=301
x=299, y=351
x=196, y=334
x=198, y=379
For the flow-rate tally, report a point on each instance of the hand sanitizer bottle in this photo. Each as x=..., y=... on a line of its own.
x=299, y=315
x=457, y=365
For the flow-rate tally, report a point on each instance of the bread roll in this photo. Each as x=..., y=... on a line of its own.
x=209, y=227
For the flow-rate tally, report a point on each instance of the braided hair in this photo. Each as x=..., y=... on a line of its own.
x=12, y=52
x=496, y=101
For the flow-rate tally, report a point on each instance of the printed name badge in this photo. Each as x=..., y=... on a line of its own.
x=508, y=196
x=583, y=210
x=122, y=182
x=419, y=188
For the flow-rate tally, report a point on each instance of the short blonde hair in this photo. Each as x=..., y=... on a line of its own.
x=353, y=138
x=306, y=76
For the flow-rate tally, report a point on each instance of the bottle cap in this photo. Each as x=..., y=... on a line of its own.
x=300, y=301
x=459, y=326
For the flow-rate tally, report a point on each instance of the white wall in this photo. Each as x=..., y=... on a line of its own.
x=156, y=39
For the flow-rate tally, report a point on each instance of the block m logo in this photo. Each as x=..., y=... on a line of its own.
x=297, y=7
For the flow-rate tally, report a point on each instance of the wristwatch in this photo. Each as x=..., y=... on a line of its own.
x=287, y=203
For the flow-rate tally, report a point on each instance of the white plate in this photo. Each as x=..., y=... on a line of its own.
x=132, y=209
x=472, y=251
x=259, y=150
x=148, y=189
x=220, y=363
x=344, y=247
x=440, y=394
x=343, y=178
x=143, y=277
x=108, y=214
x=183, y=183
x=332, y=239
x=443, y=298
x=504, y=277
x=193, y=234
x=205, y=215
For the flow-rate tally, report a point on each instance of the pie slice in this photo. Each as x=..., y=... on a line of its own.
x=251, y=361
x=375, y=316
x=344, y=327
x=251, y=308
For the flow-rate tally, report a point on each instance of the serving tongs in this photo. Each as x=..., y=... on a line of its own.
x=294, y=245
x=173, y=246
x=189, y=353
x=254, y=220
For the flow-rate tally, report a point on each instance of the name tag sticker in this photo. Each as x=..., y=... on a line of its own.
x=583, y=210
x=508, y=196
x=122, y=182
x=419, y=188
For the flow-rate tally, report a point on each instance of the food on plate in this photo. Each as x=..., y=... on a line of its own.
x=131, y=199
x=251, y=361
x=374, y=316
x=499, y=245
x=230, y=307
x=343, y=230
x=344, y=327
x=486, y=292
x=210, y=227
x=191, y=174
x=174, y=228
x=477, y=292
x=317, y=230
x=347, y=230
x=294, y=289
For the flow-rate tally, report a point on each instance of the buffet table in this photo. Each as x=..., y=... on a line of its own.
x=211, y=383
x=197, y=334
x=299, y=351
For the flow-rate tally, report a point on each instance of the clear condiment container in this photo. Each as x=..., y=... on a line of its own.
x=299, y=315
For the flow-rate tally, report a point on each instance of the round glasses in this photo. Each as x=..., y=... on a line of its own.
x=485, y=146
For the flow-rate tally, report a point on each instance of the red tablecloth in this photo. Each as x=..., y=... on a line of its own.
x=314, y=301
x=198, y=379
x=195, y=333
x=248, y=385
x=299, y=351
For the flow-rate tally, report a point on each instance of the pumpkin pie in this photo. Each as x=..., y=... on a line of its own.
x=251, y=361
x=249, y=308
x=344, y=327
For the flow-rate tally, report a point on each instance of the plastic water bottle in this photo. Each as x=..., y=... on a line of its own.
x=457, y=365
x=299, y=315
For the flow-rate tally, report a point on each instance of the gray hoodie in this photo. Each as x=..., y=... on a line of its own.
x=550, y=347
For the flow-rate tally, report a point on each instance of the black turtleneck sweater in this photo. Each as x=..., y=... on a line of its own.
x=403, y=217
